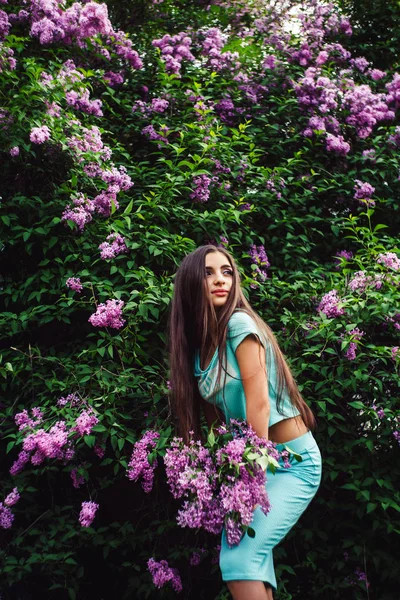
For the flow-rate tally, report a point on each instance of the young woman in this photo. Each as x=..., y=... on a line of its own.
x=213, y=329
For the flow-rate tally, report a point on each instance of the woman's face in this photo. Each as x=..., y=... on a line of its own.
x=219, y=274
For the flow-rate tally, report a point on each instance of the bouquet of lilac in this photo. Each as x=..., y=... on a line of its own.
x=222, y=481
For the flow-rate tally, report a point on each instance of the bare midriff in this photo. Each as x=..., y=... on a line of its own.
x=287, y=430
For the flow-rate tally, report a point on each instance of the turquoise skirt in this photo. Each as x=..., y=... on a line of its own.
x=290, y=491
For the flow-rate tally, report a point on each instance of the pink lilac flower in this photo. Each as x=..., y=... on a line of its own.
x=376, y=74
x=23, y=420
x=174, y=49
x=85, y=422
x=330, y=305
x=395, y=352
x=390, y=260
x=139, y=465
x=12, y=498
x=361, y=281
x=161, y=573
x=39, y=135
x=108, y=315
x=114, y=245
x=71, y=399
x=14, y=151
x=74, y=283
x=80, y=101
x=87, y=514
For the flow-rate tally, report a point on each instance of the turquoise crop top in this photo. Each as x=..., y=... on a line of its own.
x=240, y=325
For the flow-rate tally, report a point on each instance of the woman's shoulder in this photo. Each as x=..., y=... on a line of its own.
x=241, y=319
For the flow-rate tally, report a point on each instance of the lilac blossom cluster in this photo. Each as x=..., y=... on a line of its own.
x=77, y=479
x=81, y=101
x=392, y=420
x=157, y=105
x=6, y=515
x=108, y=315
x=23, y=420
x=346, y=254
x=330, y=305
x=174, y=48
x=222, y=481
x=39, y=135
x=363, y=192
x=87, y=514
x=213, y=42
x=162, y=573
x=259, y=257
x=139, y=465
x=152, y=134
x=201, y=188
x=114, y=245
x=361, y=281
x=390, y=260
x=74, y=283
x=53, y=23
x=356, y=336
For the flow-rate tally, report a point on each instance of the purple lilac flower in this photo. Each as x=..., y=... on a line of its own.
x=113, y=79
x=87, y=513
x=390, y=260
x=363, y=192
x=74, y=283
x=39, y=135
x=18, y=465
x=81, y=212
x=329, y=305
x=12, y=498
x=337, y=144
x=108, y=315
x=139, y=465
x=14, y=151
x=159, y=105
x=346, y=254
x=174, y=49
x=85, y=422
x=369, y=155
x=99, y=451
x=201, y=191
x=114, y=245
x=356, y=336
x=6, y=517
x=259, y=257
x=77, y=480
x=161, y=573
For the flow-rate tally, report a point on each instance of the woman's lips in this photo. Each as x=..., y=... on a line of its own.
x=221, y=293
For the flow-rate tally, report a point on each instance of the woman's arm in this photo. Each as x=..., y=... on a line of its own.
x=250, y=355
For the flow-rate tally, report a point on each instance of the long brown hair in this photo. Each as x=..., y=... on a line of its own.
x=195, y=325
